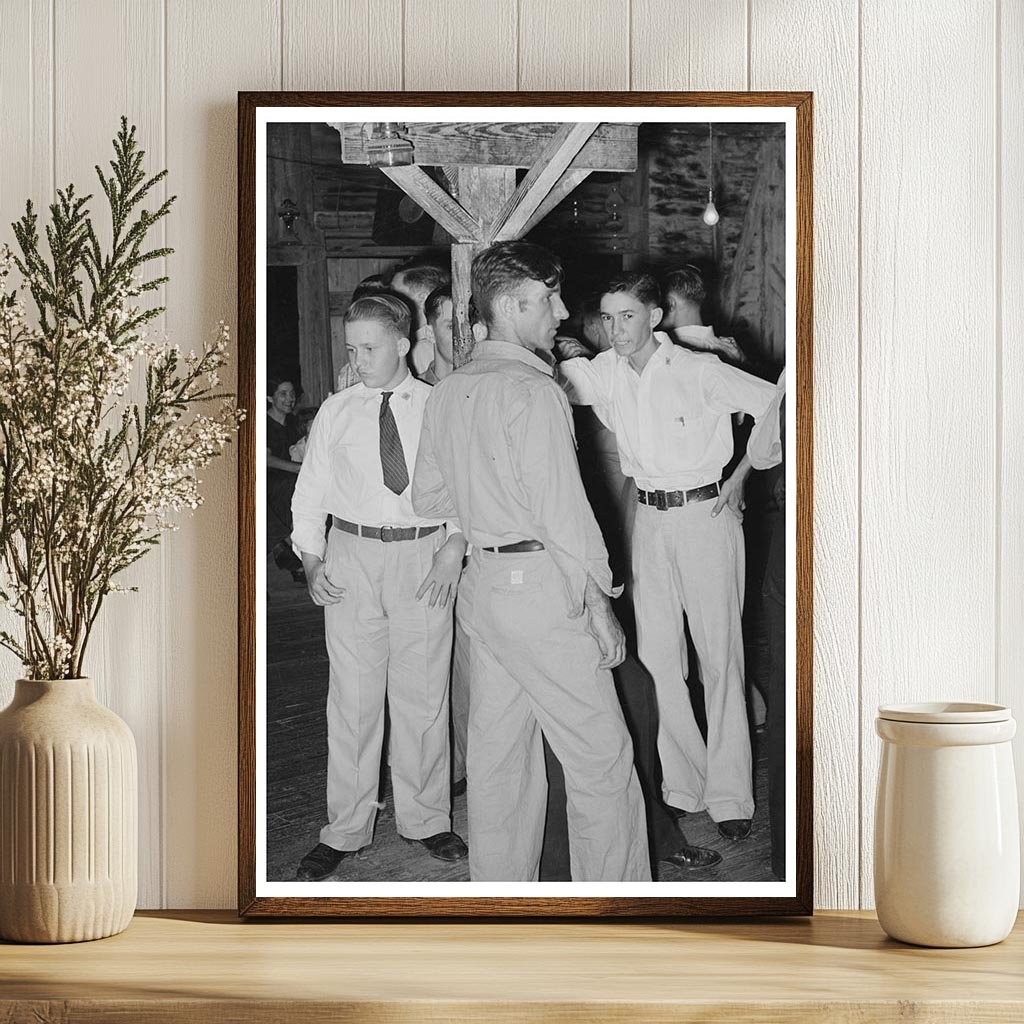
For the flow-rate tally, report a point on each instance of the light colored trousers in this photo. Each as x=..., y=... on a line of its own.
x=685, y=562
x=533, y=668
x=382, y=642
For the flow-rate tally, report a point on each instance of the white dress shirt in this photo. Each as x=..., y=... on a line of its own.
x=341, y=473
x=672, y=421
x=764, y=446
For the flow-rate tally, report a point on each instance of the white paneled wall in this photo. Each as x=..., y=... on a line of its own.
x=919, y=489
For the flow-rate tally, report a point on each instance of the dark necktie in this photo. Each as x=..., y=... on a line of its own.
x=392, y=458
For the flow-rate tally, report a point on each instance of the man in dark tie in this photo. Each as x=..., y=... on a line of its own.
x=386, y=578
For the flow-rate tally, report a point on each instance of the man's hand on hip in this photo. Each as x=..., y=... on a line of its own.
x=443, y=579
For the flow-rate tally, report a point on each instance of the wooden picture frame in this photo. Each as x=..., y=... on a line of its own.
x=260, y=211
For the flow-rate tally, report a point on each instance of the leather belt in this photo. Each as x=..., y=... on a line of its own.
x=674, y=499
x=384, y=533
x=520, y=545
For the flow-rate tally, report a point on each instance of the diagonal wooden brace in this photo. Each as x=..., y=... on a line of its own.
x=565, y=184
x=513, y=218
x=448, y=212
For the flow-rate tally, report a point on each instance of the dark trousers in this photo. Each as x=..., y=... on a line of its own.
x=635, y=689
x=775, y=727
x=280, y=487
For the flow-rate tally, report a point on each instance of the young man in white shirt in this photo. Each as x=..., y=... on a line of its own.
x=386, y=578
x=671, y=412
x=684, y=296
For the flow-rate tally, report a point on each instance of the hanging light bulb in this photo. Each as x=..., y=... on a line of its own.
x=710, y=215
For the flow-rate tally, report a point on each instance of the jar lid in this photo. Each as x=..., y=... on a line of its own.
x=945, y=713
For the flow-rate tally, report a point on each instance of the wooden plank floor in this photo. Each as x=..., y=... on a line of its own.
x=297, y=771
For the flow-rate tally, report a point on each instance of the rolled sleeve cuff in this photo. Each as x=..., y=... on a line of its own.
x=575, y=575
x=309, y=536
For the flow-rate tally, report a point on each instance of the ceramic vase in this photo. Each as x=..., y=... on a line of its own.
x=947, y=847
x=68, y=813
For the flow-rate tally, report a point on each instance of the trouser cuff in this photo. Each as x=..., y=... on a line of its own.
x=732, y=811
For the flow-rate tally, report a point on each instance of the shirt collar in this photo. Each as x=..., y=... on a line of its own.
x=402, y=388
x=702, y=336
x=666, y=349
x=491, y=349
x=665, y=341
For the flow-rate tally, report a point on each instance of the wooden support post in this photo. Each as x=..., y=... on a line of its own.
x=462, y=334
x=482, y=191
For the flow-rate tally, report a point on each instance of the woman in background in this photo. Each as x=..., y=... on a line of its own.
x=284, y=429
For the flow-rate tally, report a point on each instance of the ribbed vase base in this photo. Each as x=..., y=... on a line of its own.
x=63, y=913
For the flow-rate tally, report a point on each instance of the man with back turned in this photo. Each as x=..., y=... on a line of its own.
x=497, y=450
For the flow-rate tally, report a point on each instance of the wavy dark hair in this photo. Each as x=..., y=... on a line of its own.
x=504, y=267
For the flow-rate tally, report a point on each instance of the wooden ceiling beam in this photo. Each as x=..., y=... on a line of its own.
x=511, y=144
x=542, y=177
x=448, y=212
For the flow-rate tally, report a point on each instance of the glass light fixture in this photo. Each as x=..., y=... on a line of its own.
x=575, y=218
x=710, y=215
x=386, y=146
x=616, y=222
x=288, y=211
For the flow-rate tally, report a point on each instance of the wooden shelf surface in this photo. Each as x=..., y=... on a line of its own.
x=200, y=966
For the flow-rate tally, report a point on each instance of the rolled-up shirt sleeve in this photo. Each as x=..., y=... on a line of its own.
x=548, y=471
x=764, y=446
x=309, y=500
x=587, y=382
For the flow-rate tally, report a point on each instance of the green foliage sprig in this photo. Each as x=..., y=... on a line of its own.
x=90, y=478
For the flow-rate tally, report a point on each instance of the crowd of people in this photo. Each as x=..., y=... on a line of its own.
x=472, y=534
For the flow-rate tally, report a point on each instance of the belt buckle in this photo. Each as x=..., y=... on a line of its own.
x=661, y=501
x=385, y=534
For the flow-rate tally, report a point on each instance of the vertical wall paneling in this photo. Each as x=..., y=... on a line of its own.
x=1010, y=256
x=920, y=407
x=213, y=51
x=466, y=44
x=26, y=106
x=26, y=99
x=573, y=44
x=697, y=45
x=781, y=59
x=125, y=653
x=928, y=363
x=343, y=45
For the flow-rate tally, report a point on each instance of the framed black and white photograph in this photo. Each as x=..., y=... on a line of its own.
x=525, y=504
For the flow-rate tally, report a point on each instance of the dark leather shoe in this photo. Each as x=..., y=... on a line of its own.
x=319, y=863
x=691, y=857
x=444, y=846
x=734, y=829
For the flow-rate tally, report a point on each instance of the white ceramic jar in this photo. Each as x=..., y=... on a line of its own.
x=947, y=846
